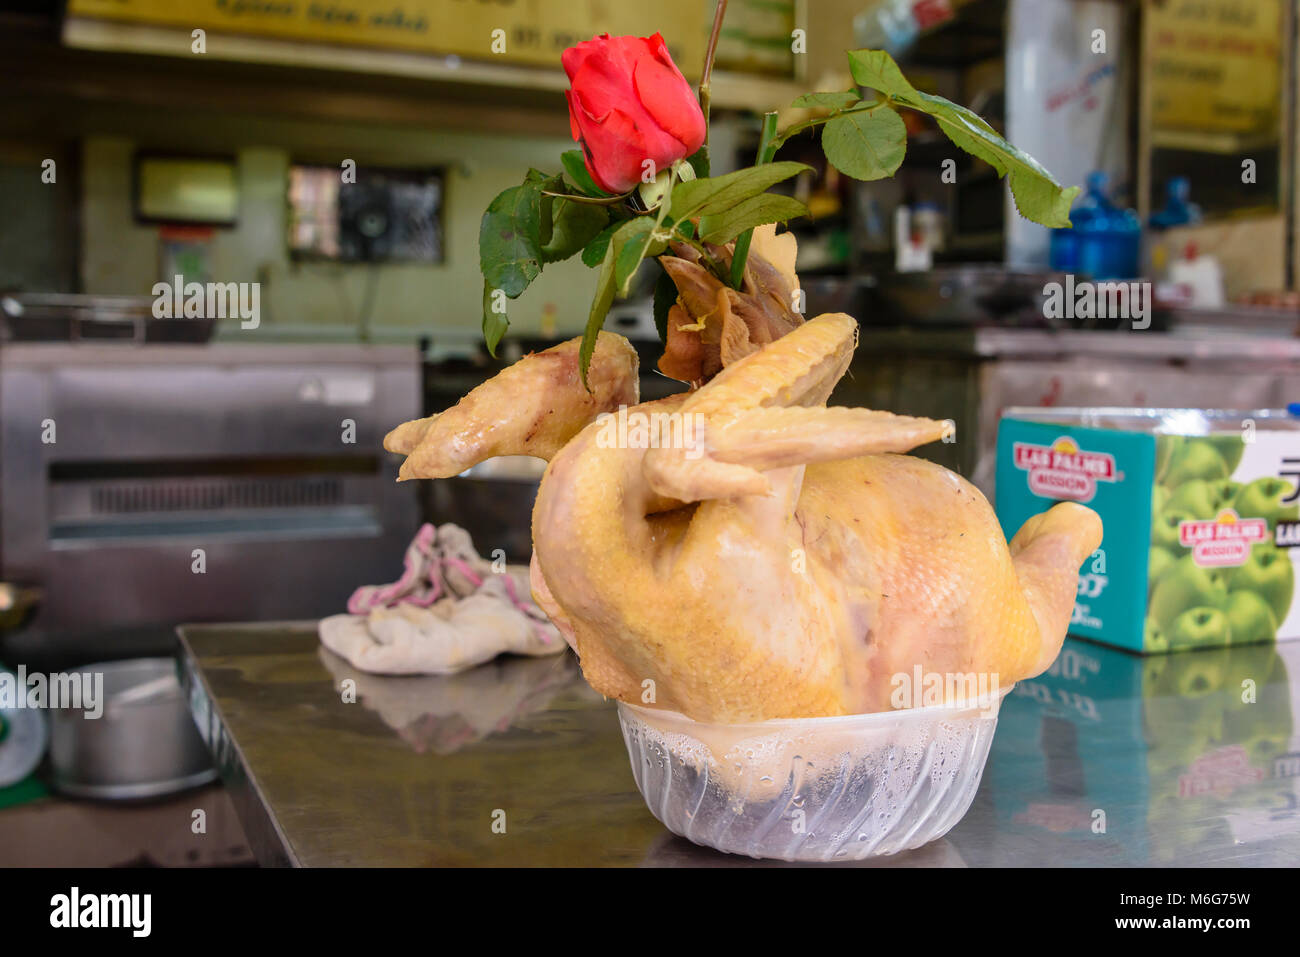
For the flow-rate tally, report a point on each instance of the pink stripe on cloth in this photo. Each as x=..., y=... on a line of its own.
x=423, y=561
x=526, y=608
x=375, y=596
x=463, y=567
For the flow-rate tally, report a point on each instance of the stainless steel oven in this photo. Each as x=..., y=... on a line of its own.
x=145, y=485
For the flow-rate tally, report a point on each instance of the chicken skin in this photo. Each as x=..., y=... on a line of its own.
x=784, y=559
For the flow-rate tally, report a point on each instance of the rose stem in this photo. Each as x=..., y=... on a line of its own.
x=706, y=78
x=767, y=145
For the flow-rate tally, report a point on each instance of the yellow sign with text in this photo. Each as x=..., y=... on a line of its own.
x=1214, y=66
x=508, y=31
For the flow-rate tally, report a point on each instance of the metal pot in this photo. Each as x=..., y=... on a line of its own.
x=143, y=745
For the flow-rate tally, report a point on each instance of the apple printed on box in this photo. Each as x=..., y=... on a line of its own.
x=1208, y=535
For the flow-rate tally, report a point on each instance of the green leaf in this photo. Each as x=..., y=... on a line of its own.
x=938, y=106
x=495, y=324
x=701, y=197
x=535, y=177
x=575, y=226
x=576, y=167
x=599, y=309
x=876, y=69
x=632, y=244
x=594, y=252
x=826, y=101
x=545, y=222
x=866, y=144
x=755, y=211
x=1038, y=196
x=665, y=299
x=508, y=248
x=699, y=161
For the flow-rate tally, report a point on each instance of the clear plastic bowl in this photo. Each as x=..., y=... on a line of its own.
x=812, y=789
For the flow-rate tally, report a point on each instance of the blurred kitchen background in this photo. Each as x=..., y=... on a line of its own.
x=155, y=471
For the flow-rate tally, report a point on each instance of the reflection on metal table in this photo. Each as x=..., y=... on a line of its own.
x=1107, y=759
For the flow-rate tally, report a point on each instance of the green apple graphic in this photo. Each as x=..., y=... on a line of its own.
x=1164, y=529
x=1202, y=498
x=1262, y=499
x=1231, y=446
x=1159, y=562
x=1195, y=459
x=1186, y=585
x=1154, y=641
x=1250, y=617
x=1267, y=573
x=1159, y=499
x=1226, y=491
x=1199, y=628
x=1165, y=447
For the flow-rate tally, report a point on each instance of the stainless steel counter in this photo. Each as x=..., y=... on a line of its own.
x=1107, y=760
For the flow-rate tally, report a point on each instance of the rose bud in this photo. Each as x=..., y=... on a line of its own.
x=629, y=103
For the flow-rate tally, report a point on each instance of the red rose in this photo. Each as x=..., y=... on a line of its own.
x=629, y=103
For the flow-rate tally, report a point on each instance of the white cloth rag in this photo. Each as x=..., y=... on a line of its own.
x=450, y=610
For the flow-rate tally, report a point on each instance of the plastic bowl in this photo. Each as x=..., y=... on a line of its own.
x=812, y=789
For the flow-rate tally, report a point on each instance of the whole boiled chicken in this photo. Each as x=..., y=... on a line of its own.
x=774, y=557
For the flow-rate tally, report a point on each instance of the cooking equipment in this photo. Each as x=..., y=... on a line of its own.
x=146, y=485
x=60, y=317
x=143, y=745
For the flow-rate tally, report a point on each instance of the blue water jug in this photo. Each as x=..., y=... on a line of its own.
x=1104, y=239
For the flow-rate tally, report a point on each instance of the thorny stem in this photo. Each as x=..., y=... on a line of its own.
x=706, y=78
x=767, y=146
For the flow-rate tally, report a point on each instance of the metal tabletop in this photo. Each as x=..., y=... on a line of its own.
x=1107, y=759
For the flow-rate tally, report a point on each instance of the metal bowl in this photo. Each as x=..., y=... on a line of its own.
x=143, y=745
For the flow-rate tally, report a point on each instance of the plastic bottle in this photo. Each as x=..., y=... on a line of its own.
x=1104, y=239
x=1201, y=276
x=1178, y=211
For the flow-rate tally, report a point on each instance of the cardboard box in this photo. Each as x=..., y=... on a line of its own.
x=1201, y=513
